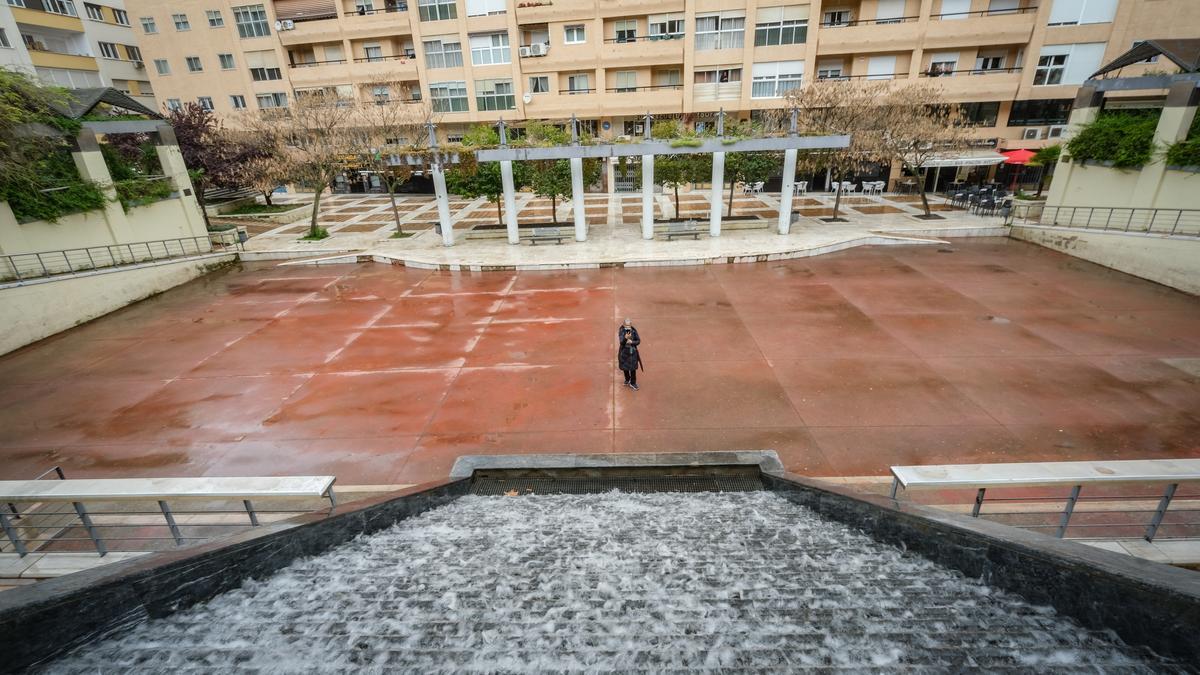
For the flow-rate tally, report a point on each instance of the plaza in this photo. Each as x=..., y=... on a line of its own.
x=984, y=350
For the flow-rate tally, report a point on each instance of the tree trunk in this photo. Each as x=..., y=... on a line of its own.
x=313, y=230
x=924, y=196
x=1041, y=181
x=499, y=214
x=677, y=216
x=199, y=191
x=729, y=211
x=267, y=197
x=391, y=186
x=554, y=209
x=837, y=197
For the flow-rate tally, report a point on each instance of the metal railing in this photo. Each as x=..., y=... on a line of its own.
x=869, y=22
x=969, y=71
x=314, y=64
x=26, y=266
x=876, y=76
x=652, y=87
x=1174, y=222
x=987, y=12
x=390, y=57
x=363, y=11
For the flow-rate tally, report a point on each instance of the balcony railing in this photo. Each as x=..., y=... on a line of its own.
x=362, y=11
x=310, y=17
x=969, y=71
x=651, y=87
x=987, y=12
x=313, y=64
x=877, y=76
x=869, y=22
x=589, y=90
x=643, y=38
x=378, y=59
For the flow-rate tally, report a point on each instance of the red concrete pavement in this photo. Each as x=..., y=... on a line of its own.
x=988, y=351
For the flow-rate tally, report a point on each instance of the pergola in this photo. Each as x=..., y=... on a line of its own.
x=647, y=149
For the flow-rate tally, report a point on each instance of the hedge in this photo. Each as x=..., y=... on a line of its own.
x=1126, y=139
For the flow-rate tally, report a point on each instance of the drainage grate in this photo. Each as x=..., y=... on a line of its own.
x=596, y=484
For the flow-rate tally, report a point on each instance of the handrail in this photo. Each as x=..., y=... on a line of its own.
x=1171, y=222
x=402, y=7
x=868, y=22
x=310, y=64
x=986, y=12
x=644, y=38
x=41, y=264
x=972, y=71
x=390, y=57
x=589, y=90
x=651, y=87
x=877, y=76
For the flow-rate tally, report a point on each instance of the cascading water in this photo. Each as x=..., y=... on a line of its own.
x=612, y=582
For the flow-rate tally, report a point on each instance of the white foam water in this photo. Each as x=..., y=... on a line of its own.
x=612, y=583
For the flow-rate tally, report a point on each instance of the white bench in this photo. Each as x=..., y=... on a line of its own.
x=77, y=491
x=546, y=234
x=1044, y=474
x=684, y=229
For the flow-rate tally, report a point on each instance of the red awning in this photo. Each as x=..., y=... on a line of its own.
x=1021, y=156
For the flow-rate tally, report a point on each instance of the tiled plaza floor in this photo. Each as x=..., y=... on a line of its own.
x=990, y=350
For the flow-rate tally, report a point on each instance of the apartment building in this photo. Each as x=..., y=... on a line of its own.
x=1014, y=64
x=75, y=45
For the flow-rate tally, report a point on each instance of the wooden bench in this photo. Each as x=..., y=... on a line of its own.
x=546, y=234
x=684, y=229
x=162, y=490
x=1046, y=474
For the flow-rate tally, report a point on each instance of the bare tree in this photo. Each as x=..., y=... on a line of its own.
x=834, y=107
x=383, y=128
x=920, y=127
x=315, y=134
x=266, y=172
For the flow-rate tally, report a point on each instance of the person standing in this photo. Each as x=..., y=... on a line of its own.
x=628, y=357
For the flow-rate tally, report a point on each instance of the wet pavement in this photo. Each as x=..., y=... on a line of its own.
x=986, y=351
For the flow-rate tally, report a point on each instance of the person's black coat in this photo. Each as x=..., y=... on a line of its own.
x=628, y=358
x=621, y=330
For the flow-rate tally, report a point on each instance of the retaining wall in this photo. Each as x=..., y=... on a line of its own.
x=1171, y=261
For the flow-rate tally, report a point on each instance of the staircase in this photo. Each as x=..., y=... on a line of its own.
x=741, y=581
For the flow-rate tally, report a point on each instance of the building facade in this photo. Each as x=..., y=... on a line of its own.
x=75, y=45
x=1015, y=64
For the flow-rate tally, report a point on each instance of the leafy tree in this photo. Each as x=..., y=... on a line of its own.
x=748, y=167
x=214, y=156
x=552, y=179
x=472, y=180
x=1047, y=158
x=675, y=171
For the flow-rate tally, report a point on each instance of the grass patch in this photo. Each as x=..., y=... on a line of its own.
x=401, y=235
x=261, y=209
x=320, y=234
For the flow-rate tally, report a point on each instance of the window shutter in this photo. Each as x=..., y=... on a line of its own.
x=303, y=9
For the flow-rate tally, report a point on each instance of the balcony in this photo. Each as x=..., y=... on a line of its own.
x=543, y=11
x=975, y=29
x=716, y=91
x=322, y=28
x=49, y=59
x=643, y=50
x=667, y=98
x=319, y=73
x=377, y=23
x=871, y=36
x=999, y=84
x=617, y=8
x=401, y=67
x=566, y=103
x=33, y=17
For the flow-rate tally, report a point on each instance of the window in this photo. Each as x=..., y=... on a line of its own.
x=268, y=101
x=774, y=79
x=65, y=7
x=437, y=10
x=986, y=63
x=93, y=11
x=109, y=50
x=836, y=17
x=193, y=64
x=238, y=102
x=625, y=30
x=1039, y=112
x=263, y=74
x=721, y=31
x=443, y=53
x=381, y=94
x=625, y=80
x=490, y=48
x=1050, y=69
x=667, y=78
x=4, y=39
x=573, y=34
x=889, y=11
x=181, y=22
x=174, y=104
x=134, y=53
x=781, y=26
x=980, y=114
x=16, y=3
x=495, y=95
x=578, y=83
x=448, y=96
x=665, y=26
x=205, y=102
x=148, y=25
x=226, y=61
x=1072, y=12
x=719, y=76
x=1068, y=64
x=121, y=16
x=215, y=20
x=539, y=84
x=944, y=64
x=251, y=22
x=162, y=66
x=373, y=53
x=485, y=7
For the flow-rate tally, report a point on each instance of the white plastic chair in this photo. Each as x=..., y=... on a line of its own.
x=849, y=187
x=867, y=187
x=802, y=186
x=758, y=187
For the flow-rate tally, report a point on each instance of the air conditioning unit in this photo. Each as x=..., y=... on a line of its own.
x=524, y=51
x=539, y=49
x=1032, y=134
x=1057, y=131
x=139, y=65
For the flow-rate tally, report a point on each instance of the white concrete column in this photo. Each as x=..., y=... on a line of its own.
x=647, y=196
x=510, y=203
x=443, y=204
x=91, y=166
x=577, y=198
x=718, y=183
x=785, y=192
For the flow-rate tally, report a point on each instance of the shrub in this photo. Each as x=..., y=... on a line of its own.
x=1187, y=151
x=56, y=191
x=140, y=191
x=1124, y=138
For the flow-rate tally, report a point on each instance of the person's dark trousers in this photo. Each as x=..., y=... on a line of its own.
x=630, y=376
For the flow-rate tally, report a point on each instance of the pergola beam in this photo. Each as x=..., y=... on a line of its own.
x=707, y=145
